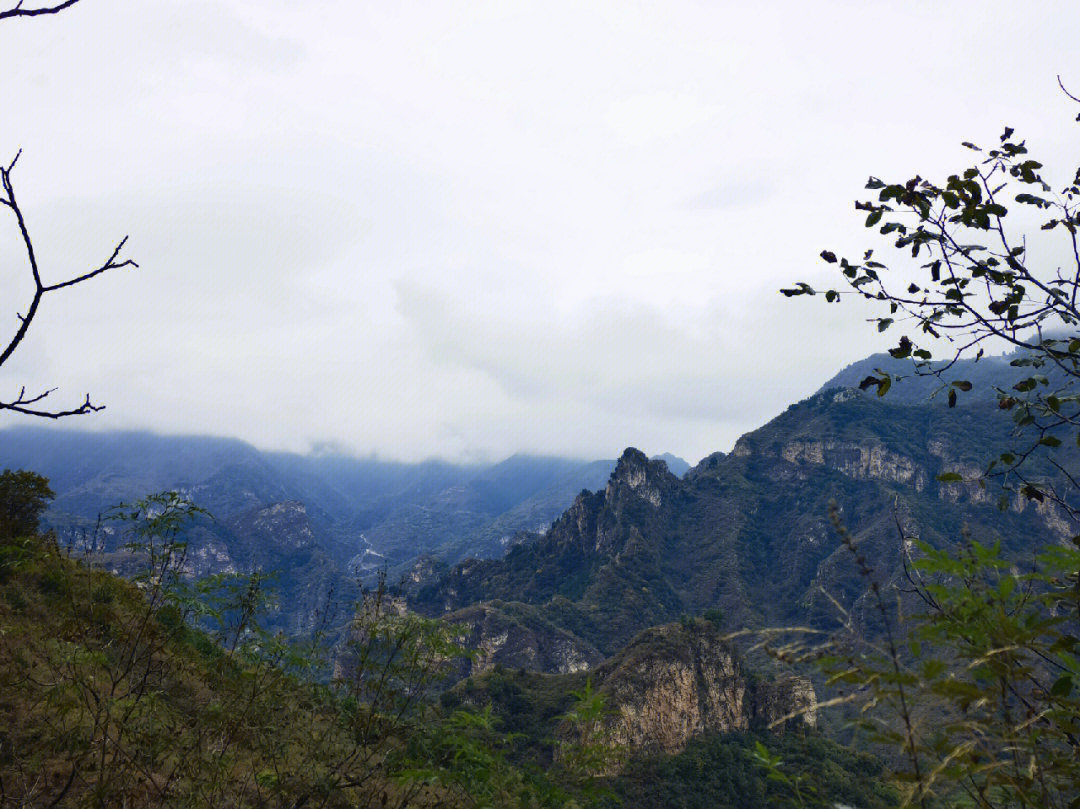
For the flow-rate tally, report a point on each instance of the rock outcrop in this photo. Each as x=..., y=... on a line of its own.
x=283, y=527
x=862, y=461
x=681, y=680
x=514, y=638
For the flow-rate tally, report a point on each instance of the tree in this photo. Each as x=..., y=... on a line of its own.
x=23, y=497
x=980, y=282
x=978, y=688
x=30, y=404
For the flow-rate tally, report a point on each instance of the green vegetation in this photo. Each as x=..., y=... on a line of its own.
x=730, y=772
x=983, y=283
x=714, y=770
x=970, y=665
x=977, y=690
x=23, y=497
x=160, y=692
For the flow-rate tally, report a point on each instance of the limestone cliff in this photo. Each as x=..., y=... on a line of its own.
x=682, y=680
x=671, y=684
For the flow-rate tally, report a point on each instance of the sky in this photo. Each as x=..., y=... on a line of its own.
x=465, y=230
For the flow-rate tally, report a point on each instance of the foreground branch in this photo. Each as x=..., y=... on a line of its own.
x=22, y=403
x=19, y=11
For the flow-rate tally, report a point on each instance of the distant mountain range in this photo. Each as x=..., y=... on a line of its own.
x=626, y=574
x=566, y=560
x=323, y=518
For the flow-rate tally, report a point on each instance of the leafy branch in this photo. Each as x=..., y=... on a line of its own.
x=981, y=284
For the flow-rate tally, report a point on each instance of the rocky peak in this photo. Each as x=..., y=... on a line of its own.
x=636, y=474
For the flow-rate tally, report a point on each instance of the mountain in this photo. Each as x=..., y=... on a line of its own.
x=323, y=518
x=916, y=389
x=749, y=532
x=477, y=514
x=676, y=465
x=595, y=551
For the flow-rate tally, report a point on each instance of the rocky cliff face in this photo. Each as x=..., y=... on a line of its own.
x=681, y=680
x=670, y=684
x=282, y=527
x=869, y=461
x=784, y=702
x=516, y=638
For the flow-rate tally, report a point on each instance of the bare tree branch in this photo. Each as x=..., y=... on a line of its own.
x=22, y=404
x=1061, y=84
x=19, y=11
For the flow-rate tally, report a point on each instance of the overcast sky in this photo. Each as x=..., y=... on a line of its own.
x=470, y=229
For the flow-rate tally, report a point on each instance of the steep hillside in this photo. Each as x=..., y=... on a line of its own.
x=749, y=532
x=111, y=696
x=677, y=715
x=671, y=684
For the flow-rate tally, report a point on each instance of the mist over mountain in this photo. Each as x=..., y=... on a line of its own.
x=559, y=572
x=324, y=518
x=598, y=550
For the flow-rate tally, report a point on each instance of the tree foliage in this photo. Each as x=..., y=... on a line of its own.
x=23, y=497
x=972, y=667
x=978, y=689
x=991, y=259
x=168, y=692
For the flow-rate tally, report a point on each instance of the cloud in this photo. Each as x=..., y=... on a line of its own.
x=476, y=228
x=617, y=356
x=733, y=193
x=645, y=118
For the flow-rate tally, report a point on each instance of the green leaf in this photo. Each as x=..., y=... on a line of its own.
x=1006, y=587
x=949, y=477
x=884, y=323
x=1031, y=493
x=903, y=348
x=801, y=289
x=932, y=668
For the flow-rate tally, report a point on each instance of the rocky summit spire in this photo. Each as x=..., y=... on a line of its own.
x=635, y=473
